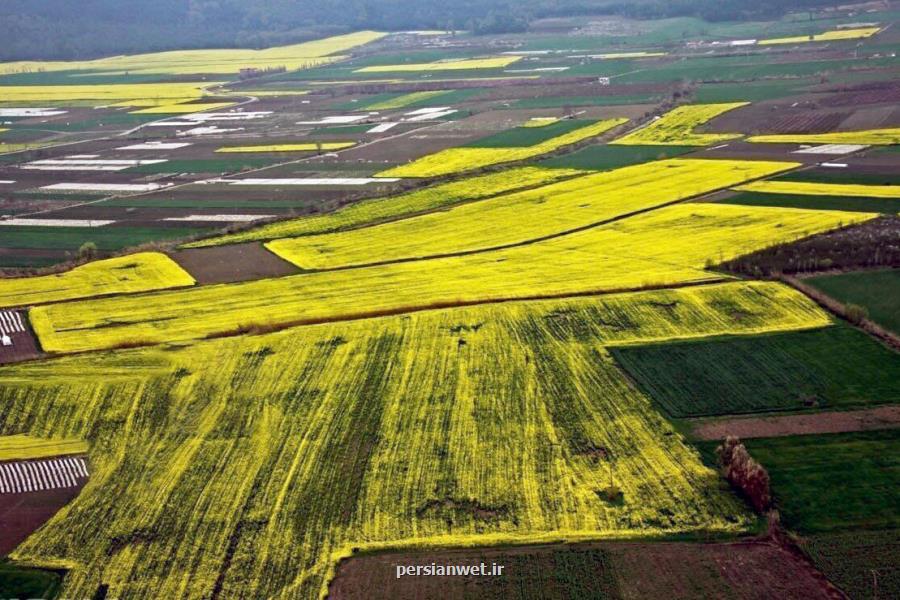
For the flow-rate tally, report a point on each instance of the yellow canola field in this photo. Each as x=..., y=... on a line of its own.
x=397, y=206
x=456, y=160
x=665, y=247
x=870, y=137
x=177, y=109
x=304, y=147
x=540, y=121
x=26, y=447
x=523, y=216
x=828, y=36
x=406, y=100
x=111, y=93
x=141, y=272
x=215, y=61
x=812, y=188
x=676, y=127
x=494, y=62
x=253, y=464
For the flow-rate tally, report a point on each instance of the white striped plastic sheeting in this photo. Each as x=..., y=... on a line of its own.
x=10, y=322
x=38, y=475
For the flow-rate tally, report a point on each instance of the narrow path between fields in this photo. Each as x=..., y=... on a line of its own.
x=882, y=417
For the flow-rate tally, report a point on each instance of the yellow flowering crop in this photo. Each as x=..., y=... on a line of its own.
x=664, y=247
x=384, y=209
x=216, y=61
x=676, y=127
x=26, y=447
x=813, y=188
x=828, y=36
x=175, y=108
x=107, y=93
x=122, y=275
x=246, y=467
x=405, y=100
x=494, y=62
x=872, y=137
x=540, y=121
x=455, y=160
x=615, y=55
x=522, y=216
x=304, y=147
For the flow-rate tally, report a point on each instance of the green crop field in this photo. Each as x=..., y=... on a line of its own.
x=836, y=367
x=212, y=165
x=877, y=291
x=106, y=238
x=862, y=563
x=825, y=483
x=841, y=176
x=877, y=205
x=603, y=157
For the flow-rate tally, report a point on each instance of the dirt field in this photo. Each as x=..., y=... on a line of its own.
x=227, y=264
x=611, y=570
x=882, y=417
x=24, y=345
x=21, y=514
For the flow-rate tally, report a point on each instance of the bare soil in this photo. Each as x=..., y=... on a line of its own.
x=228, y=264
x=23, y=514
x=616, y=570
x=882, y=417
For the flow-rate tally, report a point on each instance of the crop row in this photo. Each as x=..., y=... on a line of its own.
x=676, y=127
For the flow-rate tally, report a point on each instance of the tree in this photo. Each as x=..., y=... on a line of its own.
x=746, y=475
x=87, y=251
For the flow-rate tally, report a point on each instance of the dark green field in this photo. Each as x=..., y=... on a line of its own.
x=825, y=483
x=840, y=176
x=108, y=239
x=529, y=136
x=22, y=582
x=863, y=563
x=602, y=157
x=875, y=205
x=837, y=367
x=877, y=291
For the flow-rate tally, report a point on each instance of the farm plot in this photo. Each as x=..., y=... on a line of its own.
x=849, y=203
x=676, y=127
x=455, y=160
x=505, y=434
x=168, y=93
x=494, y=62
x=410, y=203
x=600, y=570
x=405, y=100
x=304, y=147
x=601, y=157
x=124, y=275
x=667, y=247
x=836, y=367
x=877, y=291
x=822, y=189
x=828, y=36
x=25, y=447
x=833, y=482
x=524, y=216
x=870, y=137
x=214, y=61
x=861, y=563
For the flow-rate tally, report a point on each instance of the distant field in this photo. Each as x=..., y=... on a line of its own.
x=209, y=165
x=842, y=176
x=835, y=367
x=564, y=101
x=530, y=215
x=877, y=291
x=833, y=482
x=677, y=126
x=109, y=238
x=528, y=136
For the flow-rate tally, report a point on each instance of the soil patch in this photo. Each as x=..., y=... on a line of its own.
x=229, y=264
x=882, y=417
